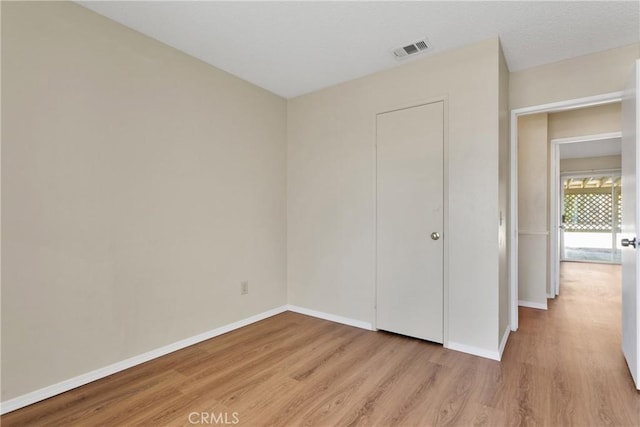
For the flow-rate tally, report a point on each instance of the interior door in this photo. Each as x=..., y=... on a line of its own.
x=409, y=267
x=630, y=254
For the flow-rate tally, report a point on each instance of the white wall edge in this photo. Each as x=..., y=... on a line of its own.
x=572, y=104
x=555, y=213
x=531, y=304
x=476, y=351
x=503, y=342
x=587, y=138
x=551, y=296
x=66, y=385
x=588, y=172
x=332, y=317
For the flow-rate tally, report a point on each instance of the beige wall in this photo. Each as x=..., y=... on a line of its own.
x=585, y=121
x=588, y=75
x=532, y=208
x=590, y=163
x=140, y=186
x=331, y=191
x=532, y=173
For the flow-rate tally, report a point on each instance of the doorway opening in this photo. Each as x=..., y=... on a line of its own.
x=514, y=230
x=585, y=201
x=591, y=215
x=630, y=164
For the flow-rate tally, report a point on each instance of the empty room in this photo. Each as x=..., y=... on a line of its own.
x=319, y=213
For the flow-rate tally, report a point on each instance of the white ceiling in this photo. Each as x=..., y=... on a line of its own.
x=603, y=147
x=292, y=48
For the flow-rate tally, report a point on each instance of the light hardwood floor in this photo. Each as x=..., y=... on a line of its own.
x=563, y=367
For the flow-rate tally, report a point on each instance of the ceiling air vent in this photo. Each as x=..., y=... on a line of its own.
x=411, y=49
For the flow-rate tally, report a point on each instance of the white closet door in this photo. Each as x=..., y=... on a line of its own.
x=410, y=149
x=630, y=223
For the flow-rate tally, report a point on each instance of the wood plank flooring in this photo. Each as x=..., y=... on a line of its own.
x=563, y=367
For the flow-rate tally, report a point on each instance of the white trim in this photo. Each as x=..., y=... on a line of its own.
x=513, y=222
x=476, y=351
x=332, y=317
x=587, y=138
x=80, y=380
x=554, y=216
x=503, y=342
x=531, y=304
x=374, y=272
x=552, y=296
x=532, y=233
x=588, y=101
x=571, y=104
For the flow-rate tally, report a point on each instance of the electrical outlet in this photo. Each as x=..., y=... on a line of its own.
x=244, y=287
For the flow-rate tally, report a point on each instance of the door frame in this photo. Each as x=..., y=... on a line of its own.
x=555, y=204
x=631, y=257
x=445, y=210
x=589, y=101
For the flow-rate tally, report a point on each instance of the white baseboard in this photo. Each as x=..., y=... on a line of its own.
x=332, y=317
x=80, y=380
x=551, y=296
x=476, y=351
x=530, y=304
x=494, y=355
x=503, y=342
x=61, y=387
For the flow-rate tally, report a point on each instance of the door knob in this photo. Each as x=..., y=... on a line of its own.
x=435, y=235
x=627, y=242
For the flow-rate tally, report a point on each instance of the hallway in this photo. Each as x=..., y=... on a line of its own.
x=573, y=370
